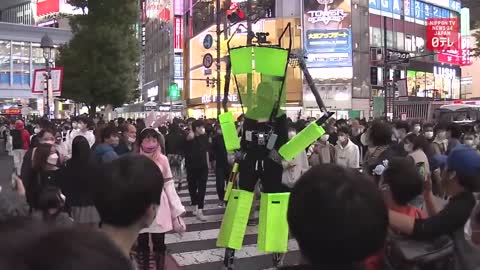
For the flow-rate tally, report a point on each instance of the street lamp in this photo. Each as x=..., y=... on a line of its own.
x=47, y=45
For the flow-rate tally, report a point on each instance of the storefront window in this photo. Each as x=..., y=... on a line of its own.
x=5, y=62
x=426, y=84
x=400, y=41
x=21, y=63
x=375, y=37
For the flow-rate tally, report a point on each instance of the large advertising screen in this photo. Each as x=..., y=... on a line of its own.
x=327, y=33
x=158, y=9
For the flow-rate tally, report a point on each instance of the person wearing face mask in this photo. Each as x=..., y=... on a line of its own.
x=128, y=139
x=347, y=153
x=196, y=161
x=469, y=140
x=322, y=152
x=222, y=166
x=105, y=151
x=428, y=132
x=294, y=169
x=44, y=173
x=169, y=214
x=461, y=180
x=82, y=130
x=45, y=136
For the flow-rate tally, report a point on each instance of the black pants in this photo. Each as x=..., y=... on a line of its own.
x=254, y=167
x=221, y=176
x=197, y=185
x=158, y=242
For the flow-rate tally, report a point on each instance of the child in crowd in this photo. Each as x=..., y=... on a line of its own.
x=401, y=183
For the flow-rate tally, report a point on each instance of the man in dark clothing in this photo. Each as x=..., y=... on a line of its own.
x=173, y=146
x=222, y=168
x=105, y=151
x=196, y=160
x=128, y=139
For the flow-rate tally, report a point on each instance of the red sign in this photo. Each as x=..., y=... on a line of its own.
x=462, y=57
x=45, y=7
x=442, y=34
x=178, y=33
x=12, y=111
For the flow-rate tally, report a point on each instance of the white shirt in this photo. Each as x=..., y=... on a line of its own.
x=88, y=135
x=348, y=156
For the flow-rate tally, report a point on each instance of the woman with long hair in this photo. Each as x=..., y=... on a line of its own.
x=170, y=211
x=45, y=173
x=75, y=183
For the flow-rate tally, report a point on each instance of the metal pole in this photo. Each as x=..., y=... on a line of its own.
x=250, y=37
x=219, y=35
x=48, y=77
x=385, y=67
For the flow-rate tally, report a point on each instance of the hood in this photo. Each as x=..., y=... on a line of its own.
x=103, y=148
x=19, y=124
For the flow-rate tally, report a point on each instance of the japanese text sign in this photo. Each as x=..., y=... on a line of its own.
x=442, y=34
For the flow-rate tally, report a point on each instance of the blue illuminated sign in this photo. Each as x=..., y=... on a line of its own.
x=329, y=48
x=415, y=9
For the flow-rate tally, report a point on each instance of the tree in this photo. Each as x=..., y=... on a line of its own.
x=101, y=60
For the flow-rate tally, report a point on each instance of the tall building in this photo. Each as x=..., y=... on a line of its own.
x=18, y=11
x=160, y=49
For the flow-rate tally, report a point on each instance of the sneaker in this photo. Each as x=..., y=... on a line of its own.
x=194, y=212
x=221, y=204
x=200, y=215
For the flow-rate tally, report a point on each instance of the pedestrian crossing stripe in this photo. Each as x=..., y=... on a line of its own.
x=196, y=249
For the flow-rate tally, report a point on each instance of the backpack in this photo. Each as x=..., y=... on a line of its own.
x=402, y=253
x=17, y=140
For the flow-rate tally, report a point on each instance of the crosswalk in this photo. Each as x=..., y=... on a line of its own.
x=197, y=250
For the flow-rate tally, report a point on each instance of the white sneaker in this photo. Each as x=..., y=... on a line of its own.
x=194, y=212
x=200, y=215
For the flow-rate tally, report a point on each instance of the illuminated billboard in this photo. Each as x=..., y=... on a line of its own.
x=413, y=10
x=158, y=9
x=45, y=7
x=328, y=35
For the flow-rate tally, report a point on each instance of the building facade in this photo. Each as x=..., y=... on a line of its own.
x=18, y=11
x=20, y=55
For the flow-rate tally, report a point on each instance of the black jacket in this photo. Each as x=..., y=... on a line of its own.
x=76, y=182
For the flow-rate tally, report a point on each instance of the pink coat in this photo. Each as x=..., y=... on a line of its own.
x=170, y=204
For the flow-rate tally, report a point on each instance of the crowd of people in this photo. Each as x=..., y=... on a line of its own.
x=359, y=179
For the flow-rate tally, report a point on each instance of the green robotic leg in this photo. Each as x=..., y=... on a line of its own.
x=273, y=225
x=234, y=224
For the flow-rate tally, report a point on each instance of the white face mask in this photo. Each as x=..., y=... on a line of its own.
x=408, y=148
x=325, y=138
x=417, y=129
x=36, y=130
x=131, y=140
x=52, y=159
x=201, y=131
x=291, y=134
x=429, y=134
x=469, y=142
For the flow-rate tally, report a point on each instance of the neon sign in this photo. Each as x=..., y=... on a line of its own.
x=326, y=15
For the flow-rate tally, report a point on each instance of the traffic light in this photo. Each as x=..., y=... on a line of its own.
x=374, y=75
x=208, y=82
x=174, y=91
x=235, y=14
